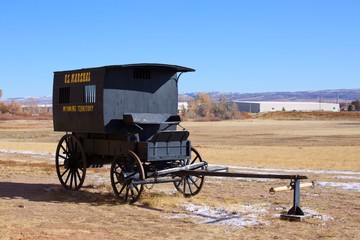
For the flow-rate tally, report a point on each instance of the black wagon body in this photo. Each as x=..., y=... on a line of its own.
x=126, y=116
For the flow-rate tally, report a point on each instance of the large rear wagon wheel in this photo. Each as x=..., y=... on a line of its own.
x=191, y=185
x=124, y=170
x=70, y=161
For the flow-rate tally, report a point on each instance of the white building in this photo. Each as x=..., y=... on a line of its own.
x=255, y=107
x=182, y=107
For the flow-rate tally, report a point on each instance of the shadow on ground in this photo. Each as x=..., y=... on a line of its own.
x=39, y=192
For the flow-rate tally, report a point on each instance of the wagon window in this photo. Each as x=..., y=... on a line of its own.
x=142, y=73
x=90, y=93
x=64, y=95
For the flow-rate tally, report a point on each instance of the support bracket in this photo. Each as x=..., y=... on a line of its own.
x=295, y=213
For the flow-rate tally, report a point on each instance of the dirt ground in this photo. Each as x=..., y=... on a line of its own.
x=33, y=204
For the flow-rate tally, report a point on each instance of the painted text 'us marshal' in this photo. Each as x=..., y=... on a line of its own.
x=77, y=77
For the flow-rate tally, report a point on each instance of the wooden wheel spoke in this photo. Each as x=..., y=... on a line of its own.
x=189, y=185
x=193, y=181
x=72, y=177
x=67, y=145
x=65, y=172
x=64, y=150
x=184, y=187
x=122, y=189
x=132, y=194
x=78, y=175
x=75, y=177
x=68, y=176
x=194, y=160
x=117, y=175
x=137, y=189
x=127, y=193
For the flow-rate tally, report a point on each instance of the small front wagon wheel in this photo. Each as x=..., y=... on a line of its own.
x=191, y=185
x=124, y=171
x=70, y=162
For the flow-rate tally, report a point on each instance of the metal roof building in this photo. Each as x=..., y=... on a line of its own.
x=256, y=107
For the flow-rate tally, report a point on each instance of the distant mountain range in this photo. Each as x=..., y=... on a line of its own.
x=25, y=100
x=343, y=95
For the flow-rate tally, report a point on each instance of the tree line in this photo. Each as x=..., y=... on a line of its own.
x=30, y=107
x=354, y=106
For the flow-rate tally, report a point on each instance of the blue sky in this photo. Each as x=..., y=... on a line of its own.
x=235, y=46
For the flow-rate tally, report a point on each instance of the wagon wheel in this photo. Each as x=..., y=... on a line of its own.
x=70, y=162
x=191, y=185
x=122, y=173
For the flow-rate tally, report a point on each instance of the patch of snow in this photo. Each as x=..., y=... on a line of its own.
x=308, y=212
x=347, y=177
x=331, y=172
x=347, y=186
x=310, y=194
x=315, y=214
x=27, y=153
x=97, y=178
x=240, y=217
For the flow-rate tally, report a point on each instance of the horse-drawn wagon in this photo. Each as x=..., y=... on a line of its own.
x=127, y=116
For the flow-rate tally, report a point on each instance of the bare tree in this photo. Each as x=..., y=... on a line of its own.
x=0, y=93
x=356, y=105
x=3, y=108
x=204, y=107
x=31, y=107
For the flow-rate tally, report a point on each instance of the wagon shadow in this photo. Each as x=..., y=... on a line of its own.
x=239, y=219
x=41, y=192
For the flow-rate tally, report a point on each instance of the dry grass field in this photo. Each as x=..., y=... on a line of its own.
x=34, y=206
